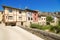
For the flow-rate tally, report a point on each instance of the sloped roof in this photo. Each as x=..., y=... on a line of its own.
x=31, y=10
x=10, y=7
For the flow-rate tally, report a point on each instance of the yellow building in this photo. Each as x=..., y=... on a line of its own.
x=14, y=16
x=21, y=18
x=1, y=16
x=10, y=15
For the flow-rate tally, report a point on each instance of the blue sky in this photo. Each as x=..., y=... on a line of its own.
x=41, y=5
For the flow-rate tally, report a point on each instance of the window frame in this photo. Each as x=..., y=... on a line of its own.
x=10, y=17
x=10, y=10
x=31, y=18
x=20, y=12
x=28, y=18
x=20, y=18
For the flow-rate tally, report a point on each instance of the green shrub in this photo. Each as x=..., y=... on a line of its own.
x=52, y=28
x=59, y=22
x=46, y=27
x=36, y=26
x=55, y=29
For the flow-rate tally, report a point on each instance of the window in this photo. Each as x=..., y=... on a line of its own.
x=30, y=13
x=21, y=23
x=19, y=12
x=28, y=18
x=44, y=18
x=6, y=16
x=10, y=17
x=31, y=18
x=35, y=14
x=10, y=10
x=35, y=18
x=20, y=17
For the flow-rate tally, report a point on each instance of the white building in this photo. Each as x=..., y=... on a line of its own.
x=42, y=20
x=55, y=21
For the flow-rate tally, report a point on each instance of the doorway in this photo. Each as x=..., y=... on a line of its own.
x=22, y=23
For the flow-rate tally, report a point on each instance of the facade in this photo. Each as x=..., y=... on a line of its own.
x=42, y=19
x=32, y=16
x=1, y=16
x=29, y=18
x=21, y=18
x=15, y=16
x=10, y=15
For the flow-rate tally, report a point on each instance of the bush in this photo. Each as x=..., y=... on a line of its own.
x=55, y=29
x=36, y=26
x=46, y=27
x=52, y=28
x=59, y=22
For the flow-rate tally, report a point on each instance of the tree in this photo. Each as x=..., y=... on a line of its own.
x=55, y=29
x=49, y=19
x=59, y=22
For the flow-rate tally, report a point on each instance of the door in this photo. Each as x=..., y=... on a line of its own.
x=21, y=23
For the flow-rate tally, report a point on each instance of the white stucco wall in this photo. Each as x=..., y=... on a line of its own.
x=42, y=20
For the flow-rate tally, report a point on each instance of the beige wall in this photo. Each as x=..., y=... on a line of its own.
x=23, y=16
x=42, y=20
x=1, y=16
x=16, y=16
x=22, y=19
x=19, y=23
x=7, y=14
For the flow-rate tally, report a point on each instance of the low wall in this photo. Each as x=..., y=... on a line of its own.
x=43, y=34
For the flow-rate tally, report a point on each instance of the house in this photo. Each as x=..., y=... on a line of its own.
x=1, y=16
x=14, y=16
x=32, y=16
x=55, y=21
x=21, y=18
x=10, y=15
x=56, y=18
x=42, y=19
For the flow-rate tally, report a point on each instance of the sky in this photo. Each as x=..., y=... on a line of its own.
x=41, y=5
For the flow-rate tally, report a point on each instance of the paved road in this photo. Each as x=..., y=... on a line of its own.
x=16, y=33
